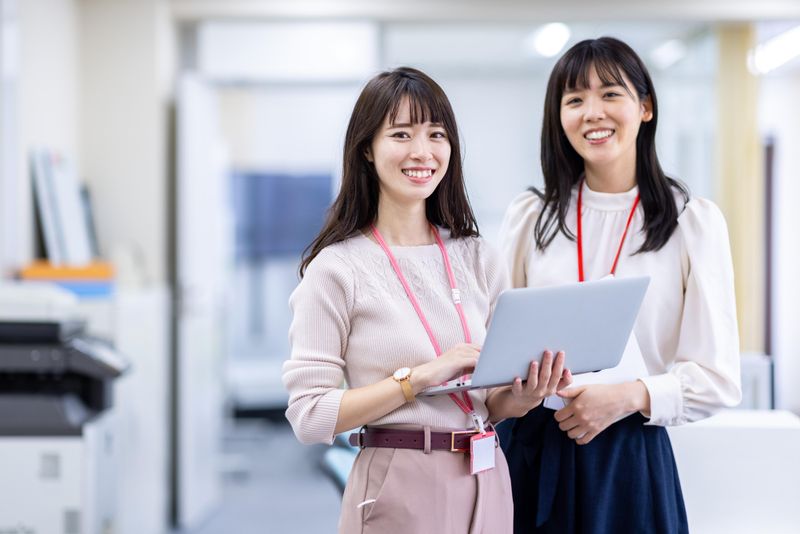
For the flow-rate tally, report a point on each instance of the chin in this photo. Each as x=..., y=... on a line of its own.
x=600, y=159
x=423, y=190
x=422, y=195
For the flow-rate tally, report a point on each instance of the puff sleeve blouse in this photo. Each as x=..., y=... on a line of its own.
x=686, y=328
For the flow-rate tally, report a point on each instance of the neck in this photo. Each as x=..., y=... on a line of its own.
x=617, y=177
x=403, y=225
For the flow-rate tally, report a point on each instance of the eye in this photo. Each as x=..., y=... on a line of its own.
x=439, y=134
x=400, y=135
x=612, y=94
x=573, y=101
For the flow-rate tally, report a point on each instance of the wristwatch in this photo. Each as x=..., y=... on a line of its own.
x=403, y=377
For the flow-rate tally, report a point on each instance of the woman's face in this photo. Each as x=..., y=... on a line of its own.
x=602, y=121
x=410, y=159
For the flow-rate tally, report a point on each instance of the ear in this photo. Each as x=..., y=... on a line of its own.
x=647, y=109
x=368, y=154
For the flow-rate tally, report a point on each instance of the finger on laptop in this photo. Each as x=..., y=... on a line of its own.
x=556, y=375
x=545, y=372
x=533, y=377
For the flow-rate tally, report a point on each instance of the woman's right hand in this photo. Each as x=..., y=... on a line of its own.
x=363, y=405
x=519, y=398
x=457, y=361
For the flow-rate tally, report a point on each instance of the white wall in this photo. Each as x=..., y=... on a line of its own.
x=287, y=128
x=499, y=122
x=126, y=72
x=779, y=116
x=687, y=120
x=9, y=136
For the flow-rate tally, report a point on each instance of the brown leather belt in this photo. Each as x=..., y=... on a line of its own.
x=412, y=439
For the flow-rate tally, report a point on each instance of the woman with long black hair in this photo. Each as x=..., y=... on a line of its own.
x=597, y=458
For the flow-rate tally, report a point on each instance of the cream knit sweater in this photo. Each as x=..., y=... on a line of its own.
x=353, y=322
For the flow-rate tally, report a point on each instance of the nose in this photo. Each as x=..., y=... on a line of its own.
x=420, y=149
x=595, y=110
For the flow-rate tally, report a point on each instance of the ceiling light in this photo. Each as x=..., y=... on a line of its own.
x=667, y=54
x=548, y=40
x=775, y=52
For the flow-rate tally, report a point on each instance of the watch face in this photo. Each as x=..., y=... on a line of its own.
x=402, y=373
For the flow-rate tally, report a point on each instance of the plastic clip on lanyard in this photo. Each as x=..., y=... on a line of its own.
x=581, y=277
x=465, y=402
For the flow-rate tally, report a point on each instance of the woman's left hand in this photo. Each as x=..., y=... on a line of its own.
x=595, y=407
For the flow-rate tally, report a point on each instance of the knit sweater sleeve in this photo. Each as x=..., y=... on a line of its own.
x=313, y=375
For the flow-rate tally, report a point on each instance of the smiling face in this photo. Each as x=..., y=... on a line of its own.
x=602, y=121
x=410, y=159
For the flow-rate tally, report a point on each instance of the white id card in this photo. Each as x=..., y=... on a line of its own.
x=481, y=452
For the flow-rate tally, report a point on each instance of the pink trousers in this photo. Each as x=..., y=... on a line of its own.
x=405, y=490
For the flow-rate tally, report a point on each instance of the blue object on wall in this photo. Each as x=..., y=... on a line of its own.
x=278, y=214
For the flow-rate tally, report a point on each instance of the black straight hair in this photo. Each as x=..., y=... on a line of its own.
x=356, y=206
x=563, y=167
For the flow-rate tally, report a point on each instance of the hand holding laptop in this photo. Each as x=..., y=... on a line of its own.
x=543, y=379
x=552, y=377
x=522, y=396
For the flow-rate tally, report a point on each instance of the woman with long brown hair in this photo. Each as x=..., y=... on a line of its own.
x=396, y=295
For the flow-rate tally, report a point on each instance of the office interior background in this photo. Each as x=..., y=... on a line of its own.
x=208, y=134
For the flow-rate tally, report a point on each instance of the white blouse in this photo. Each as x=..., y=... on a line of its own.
x=686, y=328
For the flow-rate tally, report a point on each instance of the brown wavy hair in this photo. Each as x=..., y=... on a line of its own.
x=356, y=206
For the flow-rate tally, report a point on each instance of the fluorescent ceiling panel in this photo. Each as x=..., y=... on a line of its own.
x=292, y=51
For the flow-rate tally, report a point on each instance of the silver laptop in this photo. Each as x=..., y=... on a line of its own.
x=590, y=321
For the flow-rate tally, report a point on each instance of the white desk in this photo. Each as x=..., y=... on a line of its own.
x=740, y=472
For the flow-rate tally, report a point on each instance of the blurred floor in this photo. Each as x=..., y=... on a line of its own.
x=273, y=484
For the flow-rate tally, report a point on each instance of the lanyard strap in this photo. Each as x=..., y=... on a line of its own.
x=465, y=402
x=581, y=277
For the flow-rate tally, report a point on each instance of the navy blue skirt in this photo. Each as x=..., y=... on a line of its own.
x=623, y=481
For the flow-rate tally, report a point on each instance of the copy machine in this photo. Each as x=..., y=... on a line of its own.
x=56, y=443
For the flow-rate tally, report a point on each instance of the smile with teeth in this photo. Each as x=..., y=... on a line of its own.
x=418, y=174
x=596, y=135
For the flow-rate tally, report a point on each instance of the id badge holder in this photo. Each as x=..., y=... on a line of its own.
x=481, y=452
x=481, y=448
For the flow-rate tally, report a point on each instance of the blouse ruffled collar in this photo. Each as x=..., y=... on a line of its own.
x=606, y=201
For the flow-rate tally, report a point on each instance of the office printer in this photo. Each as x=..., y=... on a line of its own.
x=56, y=434
x=53, y=377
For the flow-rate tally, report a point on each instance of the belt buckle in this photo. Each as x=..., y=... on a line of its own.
x=361, y=432
x=453, y=440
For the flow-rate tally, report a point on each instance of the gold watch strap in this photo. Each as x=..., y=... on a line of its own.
x=407, y=391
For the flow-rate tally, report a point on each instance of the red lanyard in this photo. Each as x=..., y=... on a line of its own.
x=465, y=402
x=580, y=234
